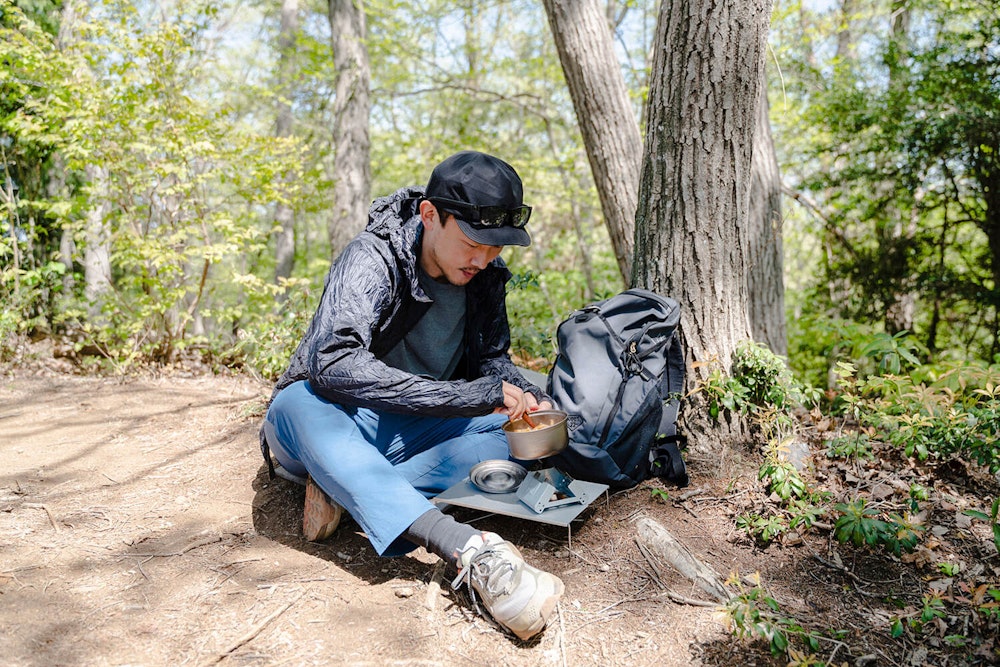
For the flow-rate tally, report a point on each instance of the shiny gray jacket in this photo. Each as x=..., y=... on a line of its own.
x=372, y=297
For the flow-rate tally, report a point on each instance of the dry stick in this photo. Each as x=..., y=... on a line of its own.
x=40, y=506
x=562, y=635
x=256, y=630
x=850, y=574
x=194, y=545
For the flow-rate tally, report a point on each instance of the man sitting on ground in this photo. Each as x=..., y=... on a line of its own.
x=403, y=380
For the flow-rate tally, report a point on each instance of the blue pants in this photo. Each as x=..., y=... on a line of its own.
x=380, y=467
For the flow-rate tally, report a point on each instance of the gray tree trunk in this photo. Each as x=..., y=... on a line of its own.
x=57, y=176
x=901, y=225
x=284, y=218
x=608, y=125
x=97, y=230
x=767, y=262
x=693, y=219
x=352, y=145
x=97, y=242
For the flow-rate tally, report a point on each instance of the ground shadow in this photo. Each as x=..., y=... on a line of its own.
x=277, y=515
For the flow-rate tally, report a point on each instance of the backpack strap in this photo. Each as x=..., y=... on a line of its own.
x=672, y=386
x=665, y=459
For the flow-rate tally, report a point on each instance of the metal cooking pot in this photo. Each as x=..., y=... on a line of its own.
x=527, y=444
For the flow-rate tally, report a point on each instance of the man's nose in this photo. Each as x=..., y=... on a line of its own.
x=480, y=259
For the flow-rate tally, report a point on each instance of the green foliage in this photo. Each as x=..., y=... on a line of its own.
x=269, y=337
x=890, y=352
x=538, y=300
x=783, y=479
x=659, y=495
x=760, y=387
x=932, y=608
x=991, y=610
x=764, y=528
x=861, y=525
x=932, y=413
x=173, y=191
x=754, y=614
x=891, y=148
x=853, y=446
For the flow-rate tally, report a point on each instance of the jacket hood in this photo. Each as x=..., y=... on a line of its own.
x=391, y=212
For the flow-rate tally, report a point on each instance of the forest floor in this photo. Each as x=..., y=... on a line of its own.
x=138, y=526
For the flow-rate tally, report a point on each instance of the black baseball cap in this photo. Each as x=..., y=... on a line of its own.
x=484, y=193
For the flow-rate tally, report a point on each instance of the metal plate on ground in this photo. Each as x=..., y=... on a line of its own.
x=465, y=494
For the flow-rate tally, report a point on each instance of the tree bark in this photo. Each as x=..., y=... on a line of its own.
x=608, y=125
x=284, y=218
x=693, y=219
x=97, y=242
x=57, y=187
x=901, y=225
x=352, y=145
x=767, y=263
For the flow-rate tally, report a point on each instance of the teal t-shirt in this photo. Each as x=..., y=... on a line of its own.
x=433, y=347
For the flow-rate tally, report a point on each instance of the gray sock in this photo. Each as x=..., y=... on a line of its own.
x=440, y=534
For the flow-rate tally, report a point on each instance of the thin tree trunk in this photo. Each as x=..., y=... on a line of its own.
x=352, y=146
x=901, y=226
x=692, y=225
x=582, y=245
x=96, y=230
x=97, y=242
x=284, y=218
x=608, y=125
x=845, y=33
x=57, y=188
x=9, y=211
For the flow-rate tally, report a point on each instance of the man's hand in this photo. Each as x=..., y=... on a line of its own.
x=533, y=403
x=516, y=402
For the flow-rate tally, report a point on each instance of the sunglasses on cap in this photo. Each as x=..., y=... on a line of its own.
x=485, y=217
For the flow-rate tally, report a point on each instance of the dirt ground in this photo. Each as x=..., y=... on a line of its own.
x=138, y=526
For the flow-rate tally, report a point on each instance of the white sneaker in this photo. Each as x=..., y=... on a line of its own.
x=518, y=596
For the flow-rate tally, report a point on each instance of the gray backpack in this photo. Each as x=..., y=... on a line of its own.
x=619, y=375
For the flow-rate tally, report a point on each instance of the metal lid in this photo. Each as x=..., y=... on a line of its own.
x=497, y=476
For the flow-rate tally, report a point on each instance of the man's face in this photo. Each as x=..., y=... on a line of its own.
x=447, y=253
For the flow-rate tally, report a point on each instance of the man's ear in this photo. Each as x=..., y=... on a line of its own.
x=428, y=212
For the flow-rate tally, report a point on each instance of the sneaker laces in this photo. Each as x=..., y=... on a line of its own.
x=492, y=571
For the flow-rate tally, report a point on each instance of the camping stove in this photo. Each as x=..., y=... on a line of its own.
x=546, y=496
x=543, y=490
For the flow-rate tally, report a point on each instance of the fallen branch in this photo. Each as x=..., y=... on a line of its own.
x=658, y=540
x=855, y=578
x=255, y=631
x=48, y=512
x=562, y=635
x=194, y=545
x=680, y=599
